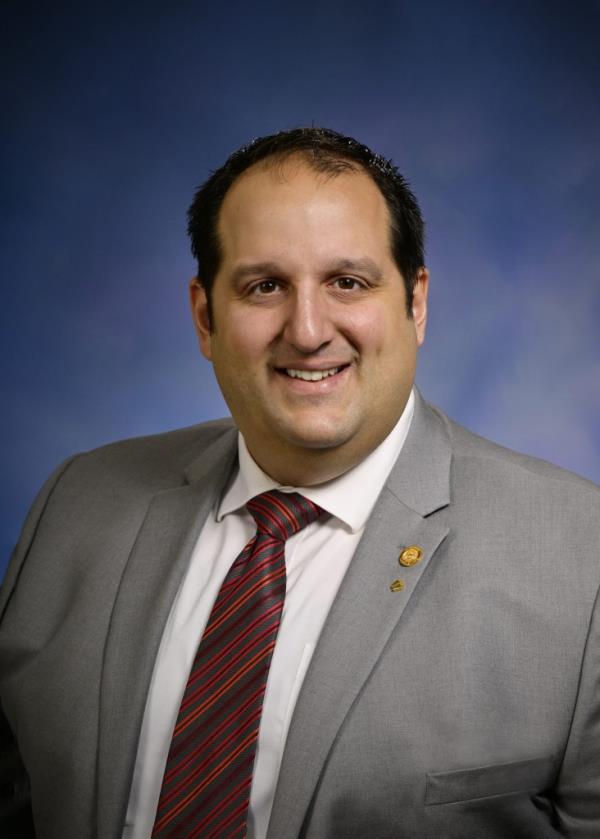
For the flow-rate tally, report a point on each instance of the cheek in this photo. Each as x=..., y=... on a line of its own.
x=377, y=330
x=243, y=340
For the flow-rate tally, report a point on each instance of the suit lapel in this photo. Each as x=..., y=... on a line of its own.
x=366, y=611
x=150, y=582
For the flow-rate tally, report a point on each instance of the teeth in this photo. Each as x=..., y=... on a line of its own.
x=311, y=375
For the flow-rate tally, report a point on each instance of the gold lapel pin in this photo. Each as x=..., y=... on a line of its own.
x=411, y=556
x=397, y=585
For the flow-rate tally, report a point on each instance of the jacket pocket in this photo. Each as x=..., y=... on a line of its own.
x=485, y=781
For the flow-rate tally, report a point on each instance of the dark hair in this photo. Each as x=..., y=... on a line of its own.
x=326, y=151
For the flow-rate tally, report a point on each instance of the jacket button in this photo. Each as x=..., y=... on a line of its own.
x=410, y=556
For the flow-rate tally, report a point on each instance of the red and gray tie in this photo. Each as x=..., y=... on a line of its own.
x=206, y=786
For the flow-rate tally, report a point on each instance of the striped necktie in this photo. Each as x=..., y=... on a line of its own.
x=206, y=785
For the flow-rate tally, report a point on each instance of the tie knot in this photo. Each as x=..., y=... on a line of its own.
x=281, y=514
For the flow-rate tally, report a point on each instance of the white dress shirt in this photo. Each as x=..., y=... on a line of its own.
x=316, y=560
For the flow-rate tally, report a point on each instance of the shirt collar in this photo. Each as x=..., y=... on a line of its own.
x=349, y=497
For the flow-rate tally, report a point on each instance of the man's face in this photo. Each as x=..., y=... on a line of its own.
x=311, y=343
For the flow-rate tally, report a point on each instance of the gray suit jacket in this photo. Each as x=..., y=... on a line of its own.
x=465, y=705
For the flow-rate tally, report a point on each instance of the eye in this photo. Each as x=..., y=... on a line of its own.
x=348, y=283
x=265, y=287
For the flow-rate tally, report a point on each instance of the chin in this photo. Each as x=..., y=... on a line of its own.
x=317, y=437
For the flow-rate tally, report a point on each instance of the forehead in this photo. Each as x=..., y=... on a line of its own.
x=301, y=218
x=292, y=200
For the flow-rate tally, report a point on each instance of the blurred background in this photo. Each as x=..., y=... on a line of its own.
x=114, y=113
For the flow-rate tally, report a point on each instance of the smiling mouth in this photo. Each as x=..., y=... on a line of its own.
x=311, y=375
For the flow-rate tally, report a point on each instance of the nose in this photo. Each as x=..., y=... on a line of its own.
x=308, y=324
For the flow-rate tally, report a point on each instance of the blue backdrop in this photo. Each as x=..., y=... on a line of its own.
x=114, y=114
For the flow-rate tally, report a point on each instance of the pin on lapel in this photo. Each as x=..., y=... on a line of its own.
x=397, y=585
x=410, y=556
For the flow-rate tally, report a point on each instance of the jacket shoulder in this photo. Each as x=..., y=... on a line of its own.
x=117, y=481
x=163, y=455
x=472, y=452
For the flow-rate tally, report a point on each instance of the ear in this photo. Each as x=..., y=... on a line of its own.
x=419, y=304
x=199, y=305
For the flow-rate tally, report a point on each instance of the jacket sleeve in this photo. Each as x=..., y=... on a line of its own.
x=27, y=535
x=16, y=821
x=577, y=796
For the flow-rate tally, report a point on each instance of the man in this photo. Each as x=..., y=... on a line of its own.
x=436, y=668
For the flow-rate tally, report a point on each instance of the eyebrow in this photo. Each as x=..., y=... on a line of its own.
x=363, y=265
x=247, y=269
